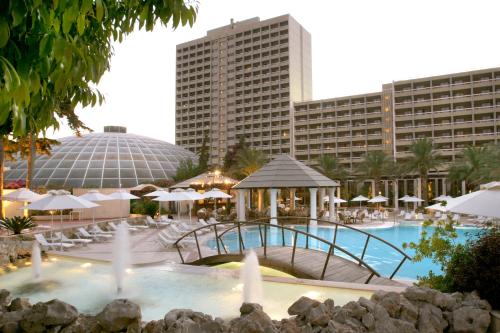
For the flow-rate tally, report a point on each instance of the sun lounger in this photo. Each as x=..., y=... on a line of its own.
x=152, y=223
x=136, y=226
x=437, y=214
x=419, y=216
x=74, y=241
x=168, y=242
x=51, y=245
x=85, y=234
x=95, y=229
x=407, y=216
x=115, y=227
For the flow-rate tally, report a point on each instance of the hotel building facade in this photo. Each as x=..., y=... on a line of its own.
x=253, y=79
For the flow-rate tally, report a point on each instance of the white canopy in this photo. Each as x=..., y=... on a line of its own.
x=360, y=198
x=335, y=200
x=59, y=200
x=122, y=195
x=156, y=193
x=378, y=199
x=22, y=194
x=485, y=202
x=95, y=196
x=215, y=193
x=412, y=199
x=404, y=197
x=442, y=197
x=194, y=195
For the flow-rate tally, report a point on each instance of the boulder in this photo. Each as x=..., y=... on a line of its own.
x=330, y=305
x=318, y=315
x=83, y=324
x=470, y=320
x=18, y=304
x=256, y=321
x=9, y=321
x=407, y=311
x=187, y=321
x=355, y=310
x=420, y=294
x=403, y=326
x=472, y=299
x=42, y=316
x=367, y=304
x=302, y=306
x=368, y=320
x=430, y=319
x=336, y=327
x=289, y=326
x=154, y=326
x=5, y=299
x=389, y=300
x=120, y=314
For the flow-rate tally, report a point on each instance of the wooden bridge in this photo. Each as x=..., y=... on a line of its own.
x=302, y=262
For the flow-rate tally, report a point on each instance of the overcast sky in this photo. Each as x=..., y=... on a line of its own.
x=356, y=46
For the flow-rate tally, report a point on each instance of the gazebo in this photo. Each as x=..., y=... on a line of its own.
x=207, y=179
x=285, y=172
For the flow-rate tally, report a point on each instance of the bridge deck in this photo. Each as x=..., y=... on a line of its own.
x=307, y=264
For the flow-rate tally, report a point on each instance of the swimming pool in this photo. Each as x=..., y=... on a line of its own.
x=380, y=256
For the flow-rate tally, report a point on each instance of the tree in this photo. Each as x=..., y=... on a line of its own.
x=330, y=166
x=230, y=158
x=249, y=161
x=373, y=167
x=203, y=156
x=52, y=54
x=423, y=159
x=186, y=169
x=472, y=166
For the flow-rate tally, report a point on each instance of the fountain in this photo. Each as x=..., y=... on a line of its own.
x=252, y=279
x=121, y=256
x=36, y=262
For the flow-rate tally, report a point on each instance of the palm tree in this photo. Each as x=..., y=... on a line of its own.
x=330, y=166
x=249, y=160
x=423, y=159
x=373, y=166
x=472, y=166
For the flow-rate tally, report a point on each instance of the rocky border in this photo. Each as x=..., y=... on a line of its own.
x=414, y=310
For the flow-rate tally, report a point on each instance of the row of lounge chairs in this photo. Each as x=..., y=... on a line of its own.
x=175, y=230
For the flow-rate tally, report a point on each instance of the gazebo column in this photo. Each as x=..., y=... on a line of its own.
x=313, y=191
x=322, y=199
x=444, y=186
x=249, y=198
x=240, y=209
x=386, y=188
x=273, y=193
x=292, y=198
x=338, y=195
x=373, y=189
x=463, y=187
x=260, y=199
x=331, y=196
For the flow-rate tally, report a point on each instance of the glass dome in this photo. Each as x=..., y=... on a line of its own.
x=103, y=160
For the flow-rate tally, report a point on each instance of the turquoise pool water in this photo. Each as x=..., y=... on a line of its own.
x=380, y=256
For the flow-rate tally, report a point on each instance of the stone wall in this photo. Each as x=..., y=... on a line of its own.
x=12, y=249
x=414, y=310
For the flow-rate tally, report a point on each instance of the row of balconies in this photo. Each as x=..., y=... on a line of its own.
x=328, y=105
x=444, y=97
x=427, y=85
x=443, y=123
x=456, y=109
x=321, y=118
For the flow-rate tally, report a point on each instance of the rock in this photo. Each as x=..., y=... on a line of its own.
x=403, y=326
x=154, y=326
x=9, y=321
x=389, y=300
x=83, y=324
x=247, y=308
x=120, y=314
x=41, y=316
x=318, y=315
x=356, y=310
x=470, y=320
x=256, y=321
x=383, y=323
x=5, y=299
x=182, y=320
x=19, y=304
x=407, y=311
x=289, y=326
x=420, y=294
x=10, y=327
x=430, y=319
x=330, y=306
x=368, y=321
x=301, y=306
x=367, y=304
x=336, y=327
x=445, y=301
x=472, y=299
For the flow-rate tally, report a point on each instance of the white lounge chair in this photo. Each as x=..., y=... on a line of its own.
x=437, y=214
x=115, y=227
x=74, y=241
x=419, y=216
x=407, y=216
x=178, y=230
x=51, y=245
x=456, y=218
x=136, y=226
x=152, y=223
x=166, y=235
x=85, y=234
x=401, y=213
x=95, y=229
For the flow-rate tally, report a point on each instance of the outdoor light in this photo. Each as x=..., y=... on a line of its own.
x=217, y=172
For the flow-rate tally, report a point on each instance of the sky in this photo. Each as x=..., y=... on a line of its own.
x=357, y=45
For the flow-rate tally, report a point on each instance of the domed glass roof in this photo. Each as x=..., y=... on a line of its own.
x=103, y=160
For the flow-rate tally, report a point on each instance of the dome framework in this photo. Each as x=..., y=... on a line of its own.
x=111, y=159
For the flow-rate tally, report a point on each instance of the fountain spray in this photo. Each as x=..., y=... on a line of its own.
x=121, y=256
x=36, y=262
x=252, y=279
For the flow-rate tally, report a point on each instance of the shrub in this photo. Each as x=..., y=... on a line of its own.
x=17, y=224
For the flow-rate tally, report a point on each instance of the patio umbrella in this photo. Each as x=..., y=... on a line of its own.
x=179, y=195
x=335, y=200
x=157, y=193
x=215, y=193
x=413, y=199
x=122, y=195
x=190, y=192
x=59, y=200
x=95, y=196
x=442, y=197
x=360, y=199
x=22, y=195
x=484, y=202
x=378, y=199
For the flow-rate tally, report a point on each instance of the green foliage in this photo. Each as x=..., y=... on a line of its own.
x=145, y=207
x=231, y=155
x=474, y=265
x=17, y=224
x=330, y=166
x=374, y=166
x=248, y=161
x=187, y=169
x=203, y=156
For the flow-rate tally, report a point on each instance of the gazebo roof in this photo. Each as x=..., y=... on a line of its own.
x=285, y=171
x=206, y=178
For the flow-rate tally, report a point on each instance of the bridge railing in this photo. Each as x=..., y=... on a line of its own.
x=263, y=230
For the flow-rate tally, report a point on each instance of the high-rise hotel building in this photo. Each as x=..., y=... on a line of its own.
x=253, y=78
x=242, y=79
